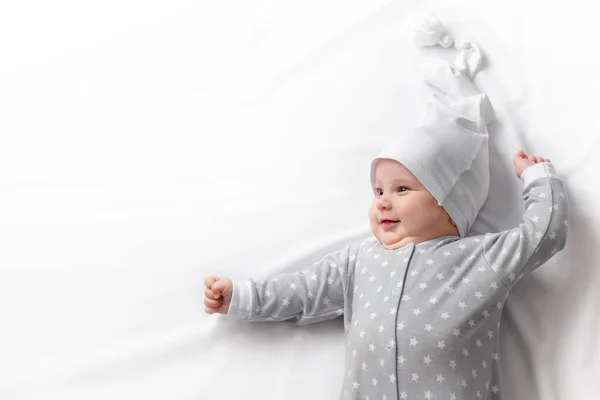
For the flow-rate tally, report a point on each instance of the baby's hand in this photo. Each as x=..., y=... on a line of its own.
x=217, y=294
x=522, y=161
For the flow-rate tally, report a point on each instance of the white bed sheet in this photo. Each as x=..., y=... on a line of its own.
x=145, y=145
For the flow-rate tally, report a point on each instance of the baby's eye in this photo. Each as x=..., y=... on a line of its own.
x=378, y=192
x=402, y=188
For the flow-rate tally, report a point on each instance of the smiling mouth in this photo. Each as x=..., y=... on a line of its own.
x=388, y=224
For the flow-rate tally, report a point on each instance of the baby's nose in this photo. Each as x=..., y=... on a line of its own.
x=383, y=203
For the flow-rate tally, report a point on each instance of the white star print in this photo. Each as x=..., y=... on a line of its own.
x=423, y=286
x=478, y=295
x=428, y=327
x=440, y=276
x=416, y=311
x=403, y=396
x=441, y=344
x=381, y=328
x=362, y=333
x=429, y=262
x=392, y=378
x=367, y=304
x=415, y=377
x=386, y=298
x=486, y=313
x=384, y=264
x=381, y=362
x=452, y=396
x=456, y=332
x=447, y=254
x=268, y=293
x=374, y=382
x=494, y=285
x=452, y=363
x=379, y=288
x=445, y=315
x=428, y=395
x=433, y=300
x=414, y=342
x=401, y=359
x=400, y=326
x=495, y=389
x=427, y=360
x=471, y=322
x=392, y=274
x=372, y=347
x=465, y=352
x=373, y=315
x=440, y=378
x=364, y=366
x=413, y=273
x=355, y=385
x=462, y=305
x=553, y=236
x=286, y=302
x=293, y=285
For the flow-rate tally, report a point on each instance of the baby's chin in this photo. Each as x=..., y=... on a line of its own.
x=392, y=240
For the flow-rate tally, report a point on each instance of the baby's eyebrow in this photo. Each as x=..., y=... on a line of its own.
x=396, y=181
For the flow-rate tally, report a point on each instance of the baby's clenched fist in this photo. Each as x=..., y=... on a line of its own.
x=523, y=160
x=217, y=295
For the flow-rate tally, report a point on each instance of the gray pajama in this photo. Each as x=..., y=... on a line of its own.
x=422, y=321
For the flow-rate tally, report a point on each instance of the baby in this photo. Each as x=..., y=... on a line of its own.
x=422, y=303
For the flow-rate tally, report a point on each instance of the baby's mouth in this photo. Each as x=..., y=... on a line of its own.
x=388, y=224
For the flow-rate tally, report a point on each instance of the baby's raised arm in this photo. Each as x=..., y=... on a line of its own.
x=543, y=232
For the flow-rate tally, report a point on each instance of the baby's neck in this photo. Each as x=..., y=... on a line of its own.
x=450, y=230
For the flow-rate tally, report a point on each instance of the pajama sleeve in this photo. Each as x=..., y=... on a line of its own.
x=307, y=296
x=514, y=253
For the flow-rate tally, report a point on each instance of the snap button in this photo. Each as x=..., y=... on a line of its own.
x=395, y=291
x=389, y=345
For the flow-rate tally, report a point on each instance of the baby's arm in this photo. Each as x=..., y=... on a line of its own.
x=311, y=295
x=543, y=232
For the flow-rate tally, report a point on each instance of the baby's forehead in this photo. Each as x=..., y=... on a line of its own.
x=390, y=170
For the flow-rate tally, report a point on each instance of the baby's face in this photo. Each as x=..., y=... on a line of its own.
x=400, y=197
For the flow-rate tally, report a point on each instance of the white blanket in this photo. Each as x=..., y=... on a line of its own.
x=147, y=145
